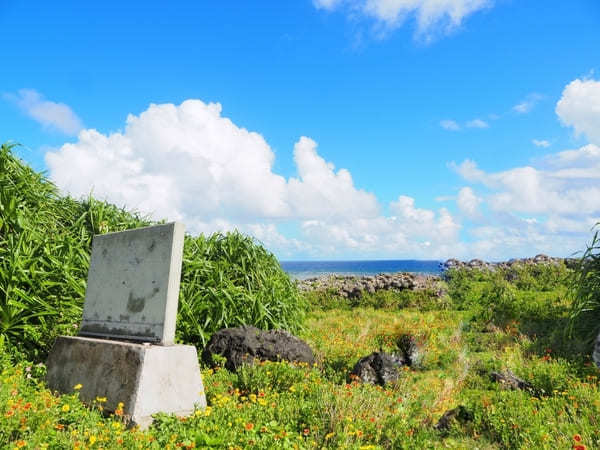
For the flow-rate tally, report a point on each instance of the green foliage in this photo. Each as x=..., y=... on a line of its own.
x=228, y=280
x=275, y=376
x=467, y=287
x=282, y=405
x=585, y=291
x=537, y=277
x=426, y=299
x=44, y=255
x=45, y=243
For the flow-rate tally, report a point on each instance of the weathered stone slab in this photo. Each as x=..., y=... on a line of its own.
x=146, y=378
x=133, y=284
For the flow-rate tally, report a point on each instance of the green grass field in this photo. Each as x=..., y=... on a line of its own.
x=487, y=325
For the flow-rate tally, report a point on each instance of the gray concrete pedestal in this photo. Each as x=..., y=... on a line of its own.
x=146, y=378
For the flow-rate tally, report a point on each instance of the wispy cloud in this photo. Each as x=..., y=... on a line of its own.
x=477, y=123
x=541, y=143
x=453, y=125
x=52, y=115
x=448, y=124
x=528, y=103
x=433, y=17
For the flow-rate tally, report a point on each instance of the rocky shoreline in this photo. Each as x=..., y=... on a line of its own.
x=479, y=264
x=351, y=286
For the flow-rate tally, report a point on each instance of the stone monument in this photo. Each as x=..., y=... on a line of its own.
x=125, y=350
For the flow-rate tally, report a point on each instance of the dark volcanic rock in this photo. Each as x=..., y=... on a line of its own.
x=411, y=351
x=509, y=380
x=378, y=368
x=277, y=345
x=458, y=414
x=245, y=344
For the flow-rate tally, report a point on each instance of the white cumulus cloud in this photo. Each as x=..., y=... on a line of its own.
x=187, y=162
x=51, y=115
x=321, y=192
x=548, y=206
x=579, y=107
x=190, y=161
x=569, y=185
x=468, y=202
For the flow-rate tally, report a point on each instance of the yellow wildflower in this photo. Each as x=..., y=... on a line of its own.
x=78, y=386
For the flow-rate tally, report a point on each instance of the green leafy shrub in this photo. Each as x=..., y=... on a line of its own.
x=229, y=280
x=465, y=286
x=44, y=255
x=45, y=243
x=538, y=277
x=585, y=291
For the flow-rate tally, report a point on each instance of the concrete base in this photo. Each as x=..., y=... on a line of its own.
x=146, y=378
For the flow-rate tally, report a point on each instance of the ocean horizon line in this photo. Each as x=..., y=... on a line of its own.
x=303, y=269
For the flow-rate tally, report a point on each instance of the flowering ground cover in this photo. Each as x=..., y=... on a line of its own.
x=280, y=405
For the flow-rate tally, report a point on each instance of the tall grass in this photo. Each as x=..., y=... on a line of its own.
x=45, y=243
x=585, y=290
x=229, y=280
x=44, y=254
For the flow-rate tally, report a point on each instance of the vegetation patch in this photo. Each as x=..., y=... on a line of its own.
x=45, y=243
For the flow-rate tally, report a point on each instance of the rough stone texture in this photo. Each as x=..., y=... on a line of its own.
x=353, y=287
x=411, y=351
x=146, y=378
x=243, y=345
x=133, y=284
x=458, y=414
x=378, y=368
x=478, y=264
x=509, y=380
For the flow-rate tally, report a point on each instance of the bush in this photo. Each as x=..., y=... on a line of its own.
x=44, y=255
x=585, y=290
x=229, y=280
x=45, y=243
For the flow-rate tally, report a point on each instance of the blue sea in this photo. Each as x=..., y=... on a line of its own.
x=307, y=269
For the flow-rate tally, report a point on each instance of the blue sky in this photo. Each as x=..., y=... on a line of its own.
x=328, y=129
